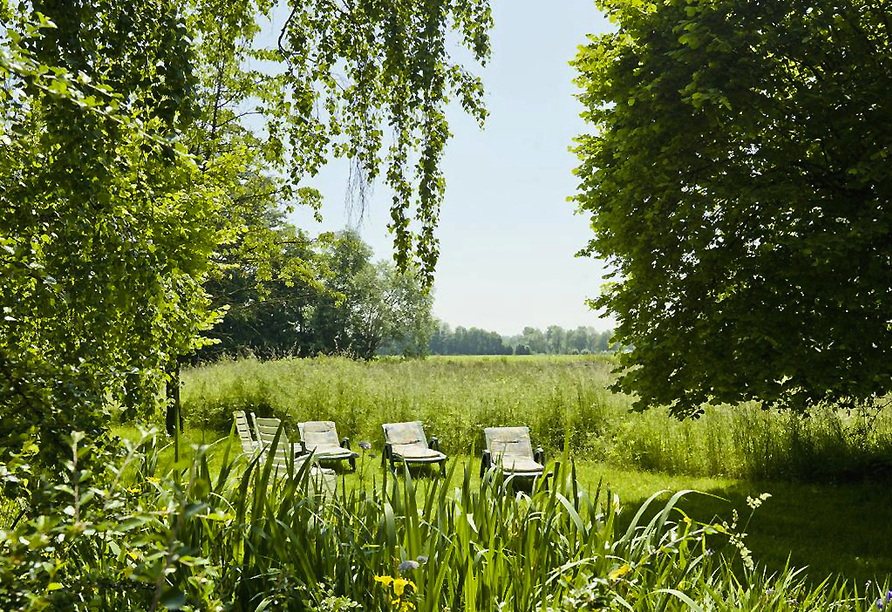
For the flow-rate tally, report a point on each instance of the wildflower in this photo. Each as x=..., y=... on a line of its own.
x=405, y=566
x=422, y=560
x=402, y=588
x=385, y=580
x=365, y=445
x=888, y=596
x=399, y=586
x=755, y=502
x=619, y=572
x=879, y=604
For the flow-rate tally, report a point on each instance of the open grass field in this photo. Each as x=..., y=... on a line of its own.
x=830, y=507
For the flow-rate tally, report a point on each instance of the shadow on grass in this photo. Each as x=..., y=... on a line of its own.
x=842, y=530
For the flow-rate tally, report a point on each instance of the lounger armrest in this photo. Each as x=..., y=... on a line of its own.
x=345, y=443
x=539, y=455
x=485, y=462
x=435, y=444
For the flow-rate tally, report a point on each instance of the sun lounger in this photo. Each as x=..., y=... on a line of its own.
x=406, y=442
x=285, y=452
x=509, y=449
x=321, y=438
x=250, y=446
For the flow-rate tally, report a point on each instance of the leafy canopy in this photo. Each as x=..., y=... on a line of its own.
x=738, y=181
x=128, y=179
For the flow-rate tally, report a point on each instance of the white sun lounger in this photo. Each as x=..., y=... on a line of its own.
x=321, y=438
x=322, y=480
x=406, y=443
x=509, y=449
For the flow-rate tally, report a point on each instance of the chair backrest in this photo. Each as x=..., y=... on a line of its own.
x=405, y=434
x=244, y=432
x=266, y=429
x=513, y=442
x=319, y=434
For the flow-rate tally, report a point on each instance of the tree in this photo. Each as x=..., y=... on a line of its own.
x=555, y=335
x=535, y=339
x=739, y=184
x=123, y=165
x=410, y=322
x=103, y=218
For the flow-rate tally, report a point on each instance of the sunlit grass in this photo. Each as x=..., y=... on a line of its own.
x=562, y=399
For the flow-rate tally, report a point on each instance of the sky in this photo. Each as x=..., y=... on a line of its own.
x=507, y=233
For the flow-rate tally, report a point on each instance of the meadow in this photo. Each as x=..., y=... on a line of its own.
x=827, y=474
x=563, y=399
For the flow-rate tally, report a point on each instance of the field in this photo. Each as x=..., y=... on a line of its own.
x=828, y=474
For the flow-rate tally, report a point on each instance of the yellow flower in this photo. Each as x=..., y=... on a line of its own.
x=400, y=584
x=385, y=580
x=619, y=572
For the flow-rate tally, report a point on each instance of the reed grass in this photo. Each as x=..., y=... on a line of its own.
x=835, y=530
x=248, y=539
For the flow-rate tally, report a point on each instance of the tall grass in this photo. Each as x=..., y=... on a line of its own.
x=245, y=539
x=561, y=400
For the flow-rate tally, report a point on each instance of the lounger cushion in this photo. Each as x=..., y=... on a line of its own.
x=321, y=437
x=520, y=466
x=416, y=452
x=409, y=442
x=511, y=449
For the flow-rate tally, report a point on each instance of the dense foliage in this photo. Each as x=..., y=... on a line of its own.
x=103, y=219
x=129, y=180
x=739, y=183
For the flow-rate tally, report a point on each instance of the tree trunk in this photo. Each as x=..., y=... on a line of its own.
x=174, y=411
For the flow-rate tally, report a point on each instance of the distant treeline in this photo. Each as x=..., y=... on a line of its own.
x=338, y=301
x=555, y=340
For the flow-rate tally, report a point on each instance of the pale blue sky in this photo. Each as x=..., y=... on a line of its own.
x=507, y=234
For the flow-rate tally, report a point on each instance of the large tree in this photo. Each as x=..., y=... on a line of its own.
x=126, y=174
x=738, y=181
x=104, y=232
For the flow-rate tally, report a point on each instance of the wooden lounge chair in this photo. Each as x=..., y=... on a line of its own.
x=509, y=449
x=286, y=451
x=250, y=446
x=406, y=442
x=321, y=437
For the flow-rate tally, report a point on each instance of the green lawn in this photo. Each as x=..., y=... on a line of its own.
x=843, y=530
